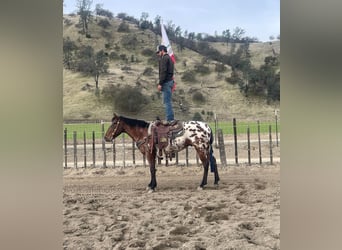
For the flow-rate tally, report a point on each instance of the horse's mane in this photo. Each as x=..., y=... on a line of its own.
x=135, y=122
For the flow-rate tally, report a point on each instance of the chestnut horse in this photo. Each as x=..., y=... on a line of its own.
x=197, y=134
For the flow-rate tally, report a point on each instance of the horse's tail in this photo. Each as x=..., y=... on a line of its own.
x=212, y=159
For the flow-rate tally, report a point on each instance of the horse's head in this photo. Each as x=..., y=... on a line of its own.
x=114, y=130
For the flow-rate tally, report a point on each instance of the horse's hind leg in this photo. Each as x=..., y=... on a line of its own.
x=205, y=173
x=217, y=178
x=205, y=163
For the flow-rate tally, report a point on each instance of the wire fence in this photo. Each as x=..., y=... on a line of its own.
x=235, y=143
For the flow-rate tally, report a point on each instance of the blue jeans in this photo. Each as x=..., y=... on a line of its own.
x=167, y=100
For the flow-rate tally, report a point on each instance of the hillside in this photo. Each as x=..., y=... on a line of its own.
x=220, y=97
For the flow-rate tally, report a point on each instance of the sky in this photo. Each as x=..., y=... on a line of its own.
x=258, y=18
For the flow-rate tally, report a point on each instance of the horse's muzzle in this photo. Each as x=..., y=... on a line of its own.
x=107, y=139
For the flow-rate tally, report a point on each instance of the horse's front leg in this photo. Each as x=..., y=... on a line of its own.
x=152, y=161
x=153, y=183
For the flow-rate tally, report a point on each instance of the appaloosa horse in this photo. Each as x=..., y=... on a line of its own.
x=197, y=134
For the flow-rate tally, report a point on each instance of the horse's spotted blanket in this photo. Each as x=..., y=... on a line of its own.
x=196, y=133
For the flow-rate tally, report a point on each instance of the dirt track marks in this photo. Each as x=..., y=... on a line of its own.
x=117, y=212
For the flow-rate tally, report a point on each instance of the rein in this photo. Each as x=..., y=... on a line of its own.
x=116, y=128
x=141, y=142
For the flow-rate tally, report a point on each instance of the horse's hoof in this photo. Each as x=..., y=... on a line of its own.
x=150, y=191
x=200, y=188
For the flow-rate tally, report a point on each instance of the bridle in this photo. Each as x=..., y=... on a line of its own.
x=116, y=128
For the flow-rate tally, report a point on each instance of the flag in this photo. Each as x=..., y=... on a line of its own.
x=166, y=43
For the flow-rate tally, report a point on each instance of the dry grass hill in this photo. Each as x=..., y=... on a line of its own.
x=220, y=97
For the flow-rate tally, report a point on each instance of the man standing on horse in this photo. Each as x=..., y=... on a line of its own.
x=166, y=82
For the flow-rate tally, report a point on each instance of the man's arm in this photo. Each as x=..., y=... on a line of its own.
x=163, y=70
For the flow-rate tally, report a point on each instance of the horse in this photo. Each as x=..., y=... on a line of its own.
x=195, y=133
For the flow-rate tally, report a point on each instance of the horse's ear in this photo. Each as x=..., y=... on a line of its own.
x=114, y=114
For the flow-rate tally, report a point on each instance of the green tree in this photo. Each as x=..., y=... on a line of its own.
x=226, y=35
x=102, y=12
x=85, y=59
x=69, y=50
x=238, y=33
x=84, y=12
x=100, y=66
x=144, y=24
x=92, y=63
x=265, y=81
x=157, y=23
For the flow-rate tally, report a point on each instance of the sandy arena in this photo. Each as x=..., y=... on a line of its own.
x=111, y=209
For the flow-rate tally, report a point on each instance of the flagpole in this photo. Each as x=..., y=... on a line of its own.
x=165, y=41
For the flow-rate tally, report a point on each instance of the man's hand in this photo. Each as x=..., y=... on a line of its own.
x=159, y=87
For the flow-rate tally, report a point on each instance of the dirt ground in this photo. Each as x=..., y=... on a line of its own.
x=111, y=209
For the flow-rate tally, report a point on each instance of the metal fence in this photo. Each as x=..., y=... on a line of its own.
x=87, y=149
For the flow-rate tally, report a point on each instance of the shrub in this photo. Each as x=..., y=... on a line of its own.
x=106, y=34
x=67, y=22
x=198, y=98
x=147, y=52
x=129, y=41
x=123, y=27
x=125, y=99
x=123, y=57
x=219, y=67
x=197, y=117
x=104, y=23
x=188, y=76
x=203, y=70
x=148, y=71
x=126, y=68
x=113, y=56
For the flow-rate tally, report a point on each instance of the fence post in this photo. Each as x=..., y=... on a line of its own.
x=187, y=156
x=235, y=141
x=276, y=119
x=166, y=161
x=248, y=146
x=85, y=149
x=124, y=150
x=114, y=154
x=260, y=159
x=103, y=146
x=216, y=131
x=271, y=154
x=177, y=158
x=221, y=148
x=65, y=148
x=93, y=148
x=75, y=148
x=133, y=151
